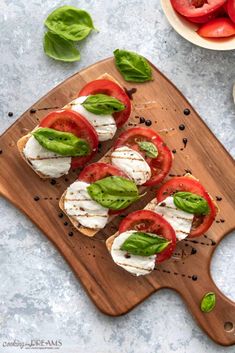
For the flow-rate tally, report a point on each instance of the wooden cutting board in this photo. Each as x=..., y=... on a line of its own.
x=113, y=290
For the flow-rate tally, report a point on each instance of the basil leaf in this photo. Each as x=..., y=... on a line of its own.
x=60, y=142
x=132, y=66
x=70, y=23
x=208, y=302
x=191, y=203
x=101, y=104
x=144, y=244
x=59, y=48
x=149, y=148
x=114, y=192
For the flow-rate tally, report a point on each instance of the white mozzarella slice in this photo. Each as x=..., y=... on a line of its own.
x=46, y=162
x=135, y=264
x=180, y=220
x=79, y=205
x=104, y=125
x=132, y=163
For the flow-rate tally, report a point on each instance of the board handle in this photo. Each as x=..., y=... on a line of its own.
x=219, y=324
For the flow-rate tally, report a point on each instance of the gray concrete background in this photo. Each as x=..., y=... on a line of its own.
x=39, y=296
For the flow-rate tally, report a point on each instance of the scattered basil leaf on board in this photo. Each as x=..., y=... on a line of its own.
x=191, y=203
x=63, y=143
x=149, y=148
x=59, y=48
x=132, y=66
x=144, y=244
x=208, y=302
x=102, y=104
x=114, y=192
x=70, y=23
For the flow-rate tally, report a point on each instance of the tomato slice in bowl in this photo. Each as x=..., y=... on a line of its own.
x=151, y=222
x=231, y=9
x=110, y=88
x=70, y=121
x=217, y=28
x=205, y=18
x=200, y=223
x=196, y=8
x=97, y=171
x=161, y=165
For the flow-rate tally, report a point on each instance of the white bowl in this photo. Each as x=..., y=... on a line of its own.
x=188, y=30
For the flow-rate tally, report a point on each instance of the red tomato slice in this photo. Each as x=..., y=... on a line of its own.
x=111, y=89
x=196, y=8
x=201, y=223
x=70, y=121
x=97, y=171
x=231, y=9
x=151, y=222
x=205, y=18
x=217, y=28
x=161, y=165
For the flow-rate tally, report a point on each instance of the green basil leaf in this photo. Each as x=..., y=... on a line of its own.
x=191, y=203
x=132, y=66
x=144, y=244
x=70, y=23
x=60, y=142
x=59, y=48
x=208, y=302
x=101, y=104
x=149, y=148
x=114, y=192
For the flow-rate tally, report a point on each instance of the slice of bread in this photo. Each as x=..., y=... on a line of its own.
x=23, y=140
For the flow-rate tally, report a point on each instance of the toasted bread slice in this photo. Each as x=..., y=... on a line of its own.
x=23, y=140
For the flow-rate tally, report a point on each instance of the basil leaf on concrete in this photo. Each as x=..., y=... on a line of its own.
x=59, y=48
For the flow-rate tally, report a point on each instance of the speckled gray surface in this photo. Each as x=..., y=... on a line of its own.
x=39, y=296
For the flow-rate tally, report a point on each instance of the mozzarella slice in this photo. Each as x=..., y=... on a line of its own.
x=180, y=220
x=46, y=162
x=104, y=125
x=135, y=264
x=79, y=205
x=132, y=163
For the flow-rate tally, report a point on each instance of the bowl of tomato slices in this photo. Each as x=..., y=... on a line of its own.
x=207, y=23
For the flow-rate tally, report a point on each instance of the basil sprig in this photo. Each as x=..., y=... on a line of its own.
x=208, y=302
x=191, y=203
x=60, y=142
x=102, y=104
x=132, y=66
x=144, y=244
x=70, y=23
x=149, y=148
x=114, y=192
x=59, y=48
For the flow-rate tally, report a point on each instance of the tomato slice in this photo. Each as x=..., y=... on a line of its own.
x=161, y=165
x=110, y=88
x=217, y=28
x=151, y=222
x=205, y=18
x=97, y=171
x=200, y=223
x=70, y=121
x=231, y=9
x=196, y=8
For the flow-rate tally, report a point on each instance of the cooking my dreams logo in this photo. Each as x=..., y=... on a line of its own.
x=33, y=344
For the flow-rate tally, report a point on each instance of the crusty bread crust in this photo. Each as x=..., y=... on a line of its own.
x=23, y=140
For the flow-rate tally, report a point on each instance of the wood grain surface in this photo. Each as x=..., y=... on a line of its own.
x=112, y=289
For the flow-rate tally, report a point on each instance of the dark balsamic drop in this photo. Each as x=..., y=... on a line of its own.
x=194, y=277
x=130, y=92
x=10, y=114
x=173, y=151
x=32, y=111
x=181, y=127
x=60, y=215
x=148, y=122
x=222, y=220
x=53, y=181
x=218, y=198
x=188, y=171
x=127, y=256
x=185, y=141
x=0, y=151
x=70, y=234
x=193, y=251
x=65, y=223
x=187, y=111
x=142, y=120
x=36, y=198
